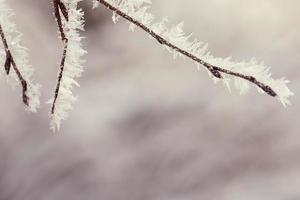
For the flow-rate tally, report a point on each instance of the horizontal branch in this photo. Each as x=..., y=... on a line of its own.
x=215, y=70
x=10, y=61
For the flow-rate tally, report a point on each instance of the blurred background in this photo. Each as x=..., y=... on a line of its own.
x=147, y=127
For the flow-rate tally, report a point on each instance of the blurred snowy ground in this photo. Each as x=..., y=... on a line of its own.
x=147, y=127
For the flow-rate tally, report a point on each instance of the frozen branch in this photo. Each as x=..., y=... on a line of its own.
x=59, y=8
x=16, y=58
x=134, y=12
x=11, y=62
x=69, y=21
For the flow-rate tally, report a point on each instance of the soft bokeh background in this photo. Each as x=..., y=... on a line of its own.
x=147, y=127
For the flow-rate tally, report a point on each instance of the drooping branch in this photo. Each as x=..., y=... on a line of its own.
x=59, y=8
x=216, y=71
x=70, y=22
x=10, y=62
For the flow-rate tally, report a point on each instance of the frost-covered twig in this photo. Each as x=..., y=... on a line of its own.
x=69, y=20
x=178, y=43
x=10, y=61
x=16, y=58
x=59, y=8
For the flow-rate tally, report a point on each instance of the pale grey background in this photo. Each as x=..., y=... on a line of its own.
x=147, y=127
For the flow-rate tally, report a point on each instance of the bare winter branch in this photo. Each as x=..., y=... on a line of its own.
x=11, y=62
x=70, y=21
x=60, y=7
x=216, y=71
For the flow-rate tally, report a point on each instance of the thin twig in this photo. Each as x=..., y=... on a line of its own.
x=62, y=65
x=59, y=8
x=10, y=61
x=215, y=70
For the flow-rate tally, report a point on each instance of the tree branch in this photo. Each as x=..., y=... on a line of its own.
x=215, y=70
x=59, y=8
x=10, y=61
